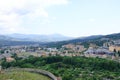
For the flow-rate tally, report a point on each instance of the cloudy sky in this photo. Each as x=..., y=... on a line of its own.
x=68, y=17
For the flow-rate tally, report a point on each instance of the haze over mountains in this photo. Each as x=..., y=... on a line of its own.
x=48, y=38
x=55, y=39
x=34, y=37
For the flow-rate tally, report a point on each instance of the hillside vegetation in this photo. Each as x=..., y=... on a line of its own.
x=22, y=75
x=72, y=68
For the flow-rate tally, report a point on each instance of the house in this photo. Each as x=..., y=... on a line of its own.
x=41, y=53
x=92, y=45
x=9, y=59
x=114, y=47
x=69, y=46
x=74, y=48
x=5, y=55
x=79, y=48
x=99, y=51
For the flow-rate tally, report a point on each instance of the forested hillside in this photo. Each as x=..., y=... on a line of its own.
x=71, y=68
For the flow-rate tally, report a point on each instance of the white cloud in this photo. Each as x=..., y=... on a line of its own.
x=12, y=12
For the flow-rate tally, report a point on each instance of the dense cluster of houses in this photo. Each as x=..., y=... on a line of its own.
x=108, y=49
x=74, y=48
x=99, y=52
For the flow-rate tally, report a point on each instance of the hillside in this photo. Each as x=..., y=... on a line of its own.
x=113, y=36
x=72, y=68
x=98, y=39
x=14, y=43
x=22, y=75
x=29, y=39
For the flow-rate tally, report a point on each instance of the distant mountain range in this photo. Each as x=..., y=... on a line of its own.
x=34, y=37
x=95, y=38
x=50, y=40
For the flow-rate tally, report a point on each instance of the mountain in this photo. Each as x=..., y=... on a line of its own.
x=97, y=39
x=2, y=37
x=39, y=38
x=113, y=36
x=74, y=41
x=55, y=40
x=29, y=39
x=9, y=41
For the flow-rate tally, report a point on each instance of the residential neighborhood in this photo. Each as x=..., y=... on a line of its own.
x=108, y=50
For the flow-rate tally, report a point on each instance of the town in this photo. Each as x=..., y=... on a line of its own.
x=110, y=50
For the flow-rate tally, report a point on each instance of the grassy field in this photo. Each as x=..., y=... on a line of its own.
x=22, y=75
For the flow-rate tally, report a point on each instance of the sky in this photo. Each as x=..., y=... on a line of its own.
x=75, y=18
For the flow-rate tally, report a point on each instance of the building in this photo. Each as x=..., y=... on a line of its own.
x=5, y=55
x=9, y=59
x=74, y=48
x=79, y=48
x=114, y=47
x=99, y=51
x=93, y=45
x=69, y=46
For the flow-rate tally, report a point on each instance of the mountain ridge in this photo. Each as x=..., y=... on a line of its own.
x=94, y=38
x=9, y=41
x=37, y=37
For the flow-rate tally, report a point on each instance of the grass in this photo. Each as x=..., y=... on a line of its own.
x=22, y=75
